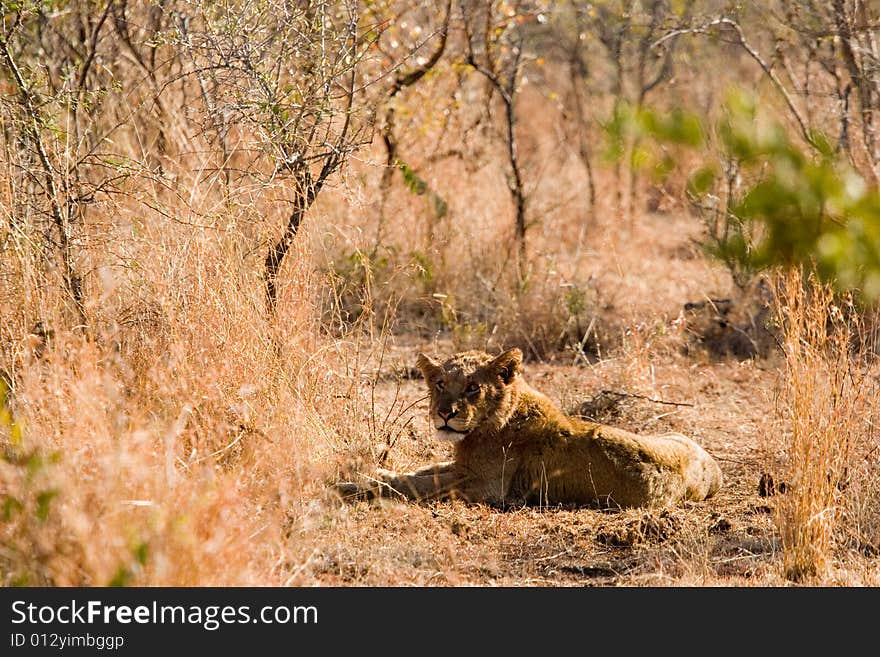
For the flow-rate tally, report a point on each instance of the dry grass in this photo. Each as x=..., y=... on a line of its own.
x=184, y=438
x=187, y=439
x=192, y=444
x=828, y=401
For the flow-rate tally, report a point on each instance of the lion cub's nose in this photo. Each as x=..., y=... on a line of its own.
x=446, y=415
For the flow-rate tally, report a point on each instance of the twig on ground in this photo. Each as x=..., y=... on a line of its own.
x=645, y=397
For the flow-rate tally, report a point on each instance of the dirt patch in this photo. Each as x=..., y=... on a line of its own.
x=648, y=528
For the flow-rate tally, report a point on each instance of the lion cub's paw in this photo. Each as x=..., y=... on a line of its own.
x=381, y=484
x=385, y=476
x=351, y=491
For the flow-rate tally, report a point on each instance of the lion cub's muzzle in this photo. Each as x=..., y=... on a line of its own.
x=450, y=429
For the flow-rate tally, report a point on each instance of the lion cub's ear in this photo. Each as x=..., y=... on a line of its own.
x=506, y=364
x=427, y=365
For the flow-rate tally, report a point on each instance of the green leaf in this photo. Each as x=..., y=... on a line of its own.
x=413, y=182
x=141, y=552
x=440, y=205
x=44, y=501
x=675, y=127
x=663, y=167
x=702, y=180
x=641, y=157
x=122, y=577
x=820, y=142
x=11, y=506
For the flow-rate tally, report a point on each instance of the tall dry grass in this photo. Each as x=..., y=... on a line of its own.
x=184, y=438
x=829, y=406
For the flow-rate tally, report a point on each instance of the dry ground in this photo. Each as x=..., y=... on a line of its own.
x=725, y=403
x=729, y=538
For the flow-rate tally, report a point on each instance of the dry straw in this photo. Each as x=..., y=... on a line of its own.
x=826, y=404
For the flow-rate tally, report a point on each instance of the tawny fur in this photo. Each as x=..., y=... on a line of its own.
x=513, y=446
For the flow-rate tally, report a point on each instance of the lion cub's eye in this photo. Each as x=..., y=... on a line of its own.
x=439, y=385
x=472, y=389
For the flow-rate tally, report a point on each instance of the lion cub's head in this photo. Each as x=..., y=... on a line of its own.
x=471, y=390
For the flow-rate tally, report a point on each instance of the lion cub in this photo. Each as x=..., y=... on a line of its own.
x=513, y=446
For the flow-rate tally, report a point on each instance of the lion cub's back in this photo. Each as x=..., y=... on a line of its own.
x=674, y=451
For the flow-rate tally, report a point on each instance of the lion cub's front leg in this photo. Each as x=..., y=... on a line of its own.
x=435, y=481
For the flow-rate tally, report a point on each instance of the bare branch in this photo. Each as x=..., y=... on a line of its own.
x=755, y=55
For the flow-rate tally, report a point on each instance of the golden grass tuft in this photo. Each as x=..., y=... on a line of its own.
x=827, y=403
x=184, y=436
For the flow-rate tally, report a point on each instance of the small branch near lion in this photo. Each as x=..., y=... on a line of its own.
x=739, y=557
x=445, y=155
x=385, y=452
x=226, y=448
x=553, y=557
x=730, y=460
x=579, y=352
x=645, y=397
x=402, y=80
